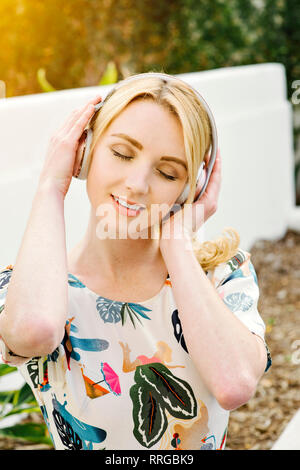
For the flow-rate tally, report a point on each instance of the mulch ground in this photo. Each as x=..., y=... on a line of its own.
x=259, y=423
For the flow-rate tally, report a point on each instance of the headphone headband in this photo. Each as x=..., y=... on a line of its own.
x=166, y=78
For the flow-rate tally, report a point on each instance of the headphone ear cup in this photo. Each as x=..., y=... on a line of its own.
x=199, y=185
x=201, y=180
x=79, y=154
x=83, y=156
x=184, y=195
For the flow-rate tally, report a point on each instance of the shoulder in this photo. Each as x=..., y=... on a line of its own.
x=238, y=266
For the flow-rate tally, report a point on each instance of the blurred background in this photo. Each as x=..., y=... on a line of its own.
x=52, y=45
x=48, y=45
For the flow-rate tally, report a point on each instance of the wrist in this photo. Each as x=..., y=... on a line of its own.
x=49, y=188
x=182, y=241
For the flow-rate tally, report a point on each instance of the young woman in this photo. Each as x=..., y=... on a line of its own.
x=137, y=338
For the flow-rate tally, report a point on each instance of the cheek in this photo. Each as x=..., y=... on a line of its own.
x=99, y=177
x=159, y=210
x=175, y=192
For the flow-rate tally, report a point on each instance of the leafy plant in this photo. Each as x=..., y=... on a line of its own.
x=43, y=82
x=109, y=76
x=21, y=402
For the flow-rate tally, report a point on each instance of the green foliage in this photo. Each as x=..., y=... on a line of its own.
x=110, y=75
x=18, y=402
x=76, y=41
x=44, y=84
x=5, y=369
x=31, y=432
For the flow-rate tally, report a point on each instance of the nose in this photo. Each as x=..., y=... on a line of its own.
x=137, y=182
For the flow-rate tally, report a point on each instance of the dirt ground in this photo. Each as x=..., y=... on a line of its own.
x=259, y=423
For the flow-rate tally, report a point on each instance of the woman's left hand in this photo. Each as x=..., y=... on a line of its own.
x=187, y=221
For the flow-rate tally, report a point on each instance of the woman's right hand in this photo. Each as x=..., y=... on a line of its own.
x=59, y=164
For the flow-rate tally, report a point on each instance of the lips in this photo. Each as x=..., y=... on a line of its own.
x=141, y=206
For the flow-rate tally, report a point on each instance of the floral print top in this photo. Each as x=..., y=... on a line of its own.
x=122, y=378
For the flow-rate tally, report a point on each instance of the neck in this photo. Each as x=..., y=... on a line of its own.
x=113, y=256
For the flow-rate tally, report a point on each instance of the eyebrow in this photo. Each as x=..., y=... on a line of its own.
x=138, y=145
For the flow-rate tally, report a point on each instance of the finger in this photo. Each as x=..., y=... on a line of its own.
x=214, y=184
x=78, y=112
x=78, y=127
x=73, y=117
x=218, y=158
x=96, y=99
x=216, y=166
x=216, y=170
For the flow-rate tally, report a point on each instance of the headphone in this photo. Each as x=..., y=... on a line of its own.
x=83, y=153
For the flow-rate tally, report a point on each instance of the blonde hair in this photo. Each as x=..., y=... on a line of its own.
x=179, y=98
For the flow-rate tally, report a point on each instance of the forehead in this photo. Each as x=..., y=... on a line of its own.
x=151, y=124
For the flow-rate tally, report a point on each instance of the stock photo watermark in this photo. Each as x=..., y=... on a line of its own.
x=296, y=352
x=145, y=224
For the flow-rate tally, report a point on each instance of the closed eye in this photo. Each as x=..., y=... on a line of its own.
x=117, y=154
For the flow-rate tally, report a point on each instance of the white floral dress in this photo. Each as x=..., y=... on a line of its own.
x=122, y=377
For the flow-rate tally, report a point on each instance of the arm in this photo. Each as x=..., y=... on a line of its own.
x=32, y=322
x=229, y=357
